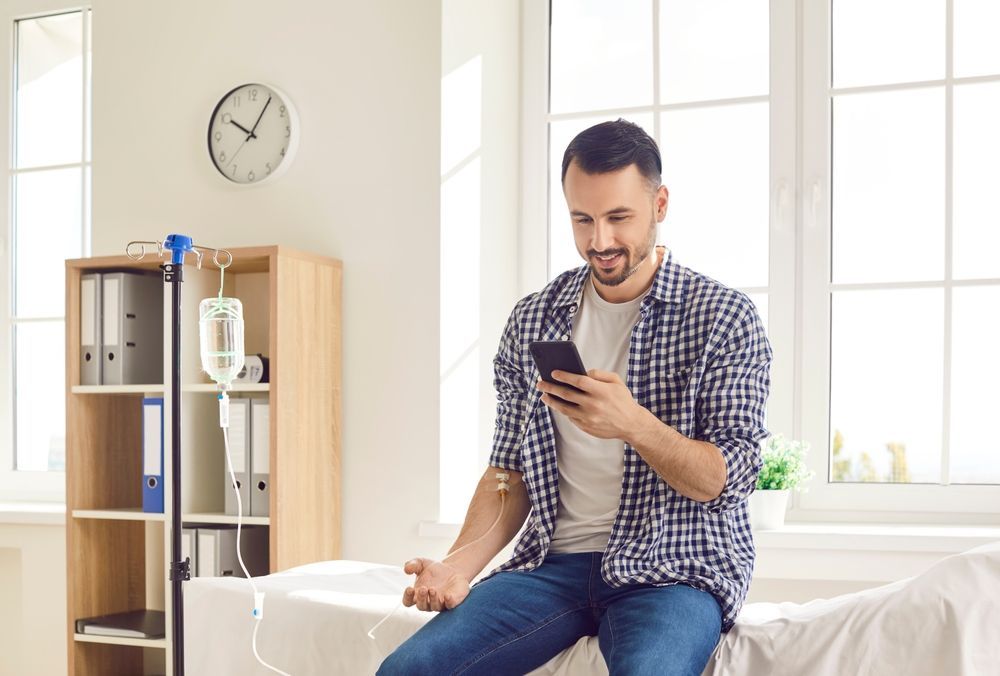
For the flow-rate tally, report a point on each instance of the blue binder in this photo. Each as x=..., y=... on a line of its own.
x=152, y=454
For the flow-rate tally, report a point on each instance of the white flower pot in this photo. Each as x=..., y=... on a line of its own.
x=767, y=509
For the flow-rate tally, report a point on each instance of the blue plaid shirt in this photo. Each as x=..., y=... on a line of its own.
x=699, y=360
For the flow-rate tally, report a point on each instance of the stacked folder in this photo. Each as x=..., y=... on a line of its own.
x=249, y=448
x=212, y=550
x=121, y=328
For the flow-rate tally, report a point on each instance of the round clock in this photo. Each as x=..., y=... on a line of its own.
x=253, y=134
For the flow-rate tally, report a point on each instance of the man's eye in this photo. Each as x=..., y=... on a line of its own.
x=582, y=220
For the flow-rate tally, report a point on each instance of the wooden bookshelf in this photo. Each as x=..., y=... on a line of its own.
x=118, y=557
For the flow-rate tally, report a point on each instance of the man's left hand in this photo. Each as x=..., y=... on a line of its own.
x=604, y=406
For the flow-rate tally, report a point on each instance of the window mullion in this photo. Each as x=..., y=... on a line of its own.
x=948, y=273
x=782, y=236
x=813, y=310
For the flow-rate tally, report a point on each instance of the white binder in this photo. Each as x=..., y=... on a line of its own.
x=90, y=329
x=260, y=456
x=239, y=452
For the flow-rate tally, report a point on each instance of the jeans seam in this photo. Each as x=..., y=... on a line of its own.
x=611, y=630
x=518, y=637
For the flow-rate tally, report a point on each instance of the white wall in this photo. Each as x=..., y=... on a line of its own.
x=363, y=187
x=32, y=599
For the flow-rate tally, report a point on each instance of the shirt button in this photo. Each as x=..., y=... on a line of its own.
x=572, y=308
x=565, y=336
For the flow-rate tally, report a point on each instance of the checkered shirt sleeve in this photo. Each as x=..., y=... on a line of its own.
x=732, y=402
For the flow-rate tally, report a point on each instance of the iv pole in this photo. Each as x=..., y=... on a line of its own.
x=173, y=274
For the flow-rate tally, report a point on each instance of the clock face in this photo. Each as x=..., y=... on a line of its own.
x=252, y=134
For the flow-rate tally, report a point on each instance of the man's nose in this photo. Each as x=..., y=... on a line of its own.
x=603, y=236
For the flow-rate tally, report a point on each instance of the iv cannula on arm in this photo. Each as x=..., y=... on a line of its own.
x=496, y=512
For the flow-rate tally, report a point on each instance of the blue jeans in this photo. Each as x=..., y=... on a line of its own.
x=517, y=621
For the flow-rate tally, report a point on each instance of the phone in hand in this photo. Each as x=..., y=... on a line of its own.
x=557, y=355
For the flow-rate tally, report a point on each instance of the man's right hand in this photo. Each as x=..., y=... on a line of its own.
x=438, y=586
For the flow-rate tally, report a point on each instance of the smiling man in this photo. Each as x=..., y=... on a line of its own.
x=635, y=475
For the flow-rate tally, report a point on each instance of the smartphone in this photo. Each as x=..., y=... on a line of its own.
x=557, y=355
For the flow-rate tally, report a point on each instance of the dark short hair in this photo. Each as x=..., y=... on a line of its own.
x=610, y=146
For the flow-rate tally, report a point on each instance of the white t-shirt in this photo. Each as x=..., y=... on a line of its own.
x=590, y=469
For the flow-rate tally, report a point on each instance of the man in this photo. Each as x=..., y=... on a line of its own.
x=637, y=480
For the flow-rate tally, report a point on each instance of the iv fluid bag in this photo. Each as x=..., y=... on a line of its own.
x=220, y=325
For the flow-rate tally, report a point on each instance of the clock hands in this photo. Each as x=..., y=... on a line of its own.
x=250, y=134
x=240, y=126
x=260, y=116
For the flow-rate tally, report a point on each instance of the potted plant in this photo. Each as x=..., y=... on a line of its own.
x=783, y=469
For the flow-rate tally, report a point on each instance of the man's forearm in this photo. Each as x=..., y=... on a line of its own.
x=695, y=469
x=483, y=511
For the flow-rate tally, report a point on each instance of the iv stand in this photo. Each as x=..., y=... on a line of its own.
x=173, y=274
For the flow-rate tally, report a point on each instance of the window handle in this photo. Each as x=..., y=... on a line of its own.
x=779, y=206
x=815, y=198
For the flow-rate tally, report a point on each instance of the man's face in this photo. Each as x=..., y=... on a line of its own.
x=614, y=219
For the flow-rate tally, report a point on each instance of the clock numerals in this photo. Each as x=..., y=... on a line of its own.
x=249, y=133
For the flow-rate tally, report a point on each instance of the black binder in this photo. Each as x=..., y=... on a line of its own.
x=133, y=624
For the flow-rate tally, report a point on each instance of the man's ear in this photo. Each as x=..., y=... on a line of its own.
x=660, y=202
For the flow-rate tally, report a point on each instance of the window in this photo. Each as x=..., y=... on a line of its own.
x=49, y=214
x=843, y=183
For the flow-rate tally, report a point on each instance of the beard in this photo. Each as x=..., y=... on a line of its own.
x=629, y=263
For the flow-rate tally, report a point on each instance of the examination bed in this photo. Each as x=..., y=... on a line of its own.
x=316, y=619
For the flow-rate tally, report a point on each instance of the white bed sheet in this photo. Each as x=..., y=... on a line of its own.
x=945, y=621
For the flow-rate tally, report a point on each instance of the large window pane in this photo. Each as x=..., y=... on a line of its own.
x=975, y=398
x=89, y=127
x=40, y=403
x=977, y=49
x=713, y=49
x=883, y=41
x=715, y=165
x=47, y=231
x=886, y=384
x=976, y=215
x=49, y=95
x=562, y=248
x=601, y=55
x=888, y=186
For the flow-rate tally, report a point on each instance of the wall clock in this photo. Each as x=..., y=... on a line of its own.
x=253, y=134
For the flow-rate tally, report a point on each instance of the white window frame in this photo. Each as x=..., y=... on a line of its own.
x=798, y=294
x=901, y=502
x=28, y=485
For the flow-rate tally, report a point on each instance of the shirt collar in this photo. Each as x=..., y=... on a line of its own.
x=668, y=283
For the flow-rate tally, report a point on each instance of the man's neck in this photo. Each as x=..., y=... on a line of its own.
x=636, y=285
